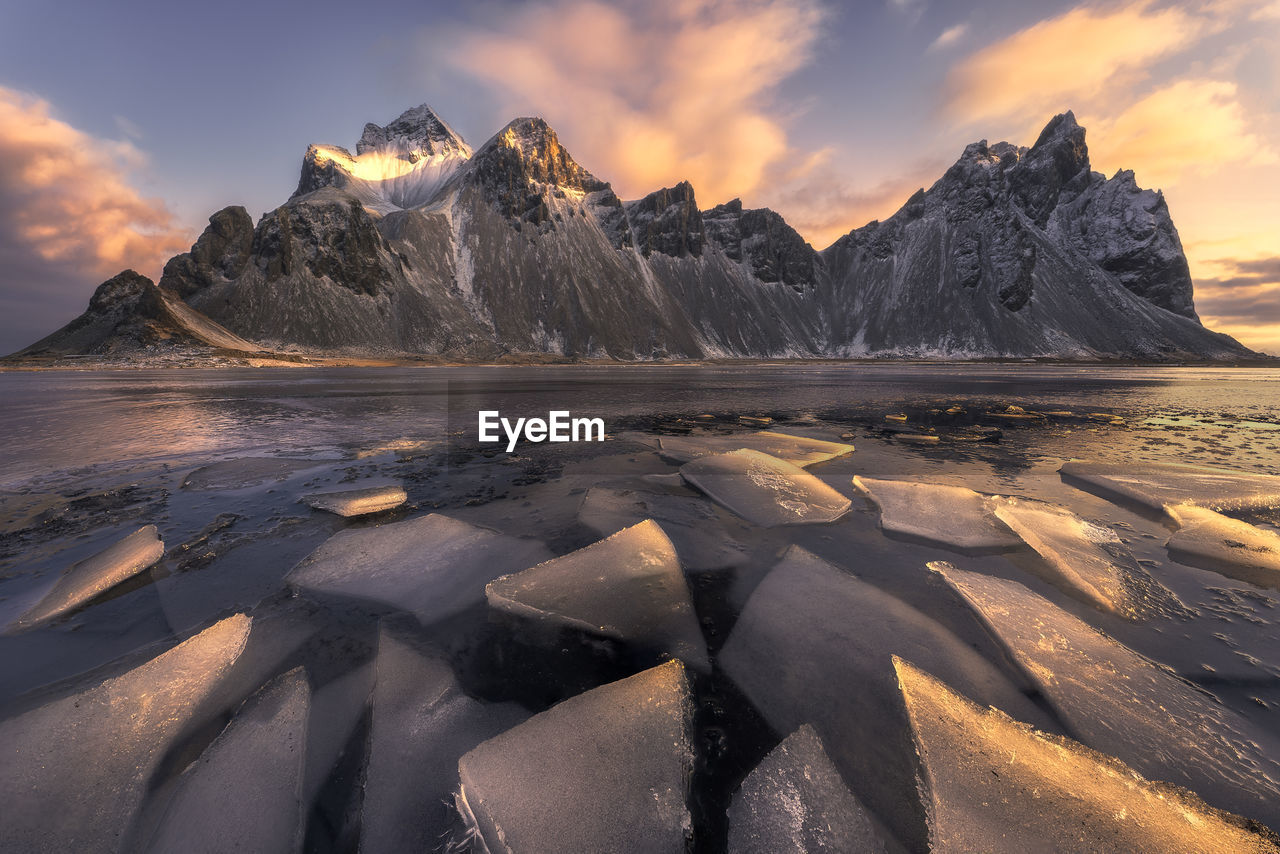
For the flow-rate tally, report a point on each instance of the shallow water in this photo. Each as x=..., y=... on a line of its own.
x=219, y=459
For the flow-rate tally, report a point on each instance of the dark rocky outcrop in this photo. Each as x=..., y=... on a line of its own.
x=774, y=250
x=667, y=221
x=220, y=253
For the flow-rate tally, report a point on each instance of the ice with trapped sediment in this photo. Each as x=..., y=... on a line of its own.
x=764, y=489
x=76, y=770
x=607, y=770
x=432, y=566
x=358, y=502
x=422, y=724
x=1087, y=561
x=244, y=793
x=950, y=516
x=1228, y=546
x=95, y=575
x=798, y=450
x=994, y=784
x=628, y=587
x=1155, y=485
x=795, y=801
x=1118, y=702
x=814, y=645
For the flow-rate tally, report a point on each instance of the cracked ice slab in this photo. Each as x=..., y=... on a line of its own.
x=432, y=566
x=1154, y=485
x=797, y=450
x=358, y=502
x=607, y=770
x=422, y=724
x=1116, y=701
x=795, y=801
x=950, y=516
x=994, y=784
x=814, y=645
x=1225, y=545
x=628, y=587
x=77, y=769
x=95, y=575
x=244, y=793
x=764, y=489
x=1088, y=561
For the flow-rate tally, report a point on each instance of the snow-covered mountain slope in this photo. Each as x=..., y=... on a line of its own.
x=416, y=245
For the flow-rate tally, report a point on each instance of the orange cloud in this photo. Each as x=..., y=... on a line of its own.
x=648, y=94
x=65, y=197
x=1069, y=60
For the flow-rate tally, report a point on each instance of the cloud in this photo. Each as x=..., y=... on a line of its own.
x=949, y=37
x=1190, y=126
x=1243, y=300
x=913, y=10
x=69, y=218
x=646, y=94
x=1068, y=60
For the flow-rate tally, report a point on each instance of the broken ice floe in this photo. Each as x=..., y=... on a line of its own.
x=1120, y=703
x=432, y=566
x=950, y=516
x=607, y=770
x=1225, y=545
x=95, y=575
x=813, y=645
x=628, y=587
x=1087, y=561
x=358, y=502
x=422, y=725
x=795, y=801
x=686, y=519
x=245, y=472
x=244, y=793
x=797, y=450
x=994, y=784
x=1155, y=485
x=764, y=489
x=76, y=769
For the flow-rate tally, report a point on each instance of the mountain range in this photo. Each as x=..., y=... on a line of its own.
x=416, y=245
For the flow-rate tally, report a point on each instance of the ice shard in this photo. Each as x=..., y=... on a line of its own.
x=1225, y=545
x=76, y=770
x=432, y=566
x=628, y=587
x=994, y=784
x=694, y=524
x=422, y=725
x=764, y=489
x=94, y=576
x=950, y=516
x=795, y=801
x=1116, y=701
x=244, y=793
x=1154, y=485
x=814, y=645
x=1088, y=561
x=607, y=770
x=797, y=450
x=358, y=502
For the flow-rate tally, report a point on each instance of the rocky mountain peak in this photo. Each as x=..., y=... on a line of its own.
x=1059, y=159
x=416, y=133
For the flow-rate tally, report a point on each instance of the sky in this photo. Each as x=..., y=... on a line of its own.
x=124, y=125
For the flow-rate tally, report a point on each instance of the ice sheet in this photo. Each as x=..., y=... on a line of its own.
x=1154, y=485
x=997, y=785
x=1229, y=546
x=950, y=516
x=798, y=450
x=1127, y=706
x=244, y=793
x=628, y=587
x=814, y=645
x=764, y=489
x=358, y=502
x=693, y=523
x=795, y=801
x=95, y=575
x=607, y=770
x=432, y=566
x=1088, y=561
x=76, y=770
